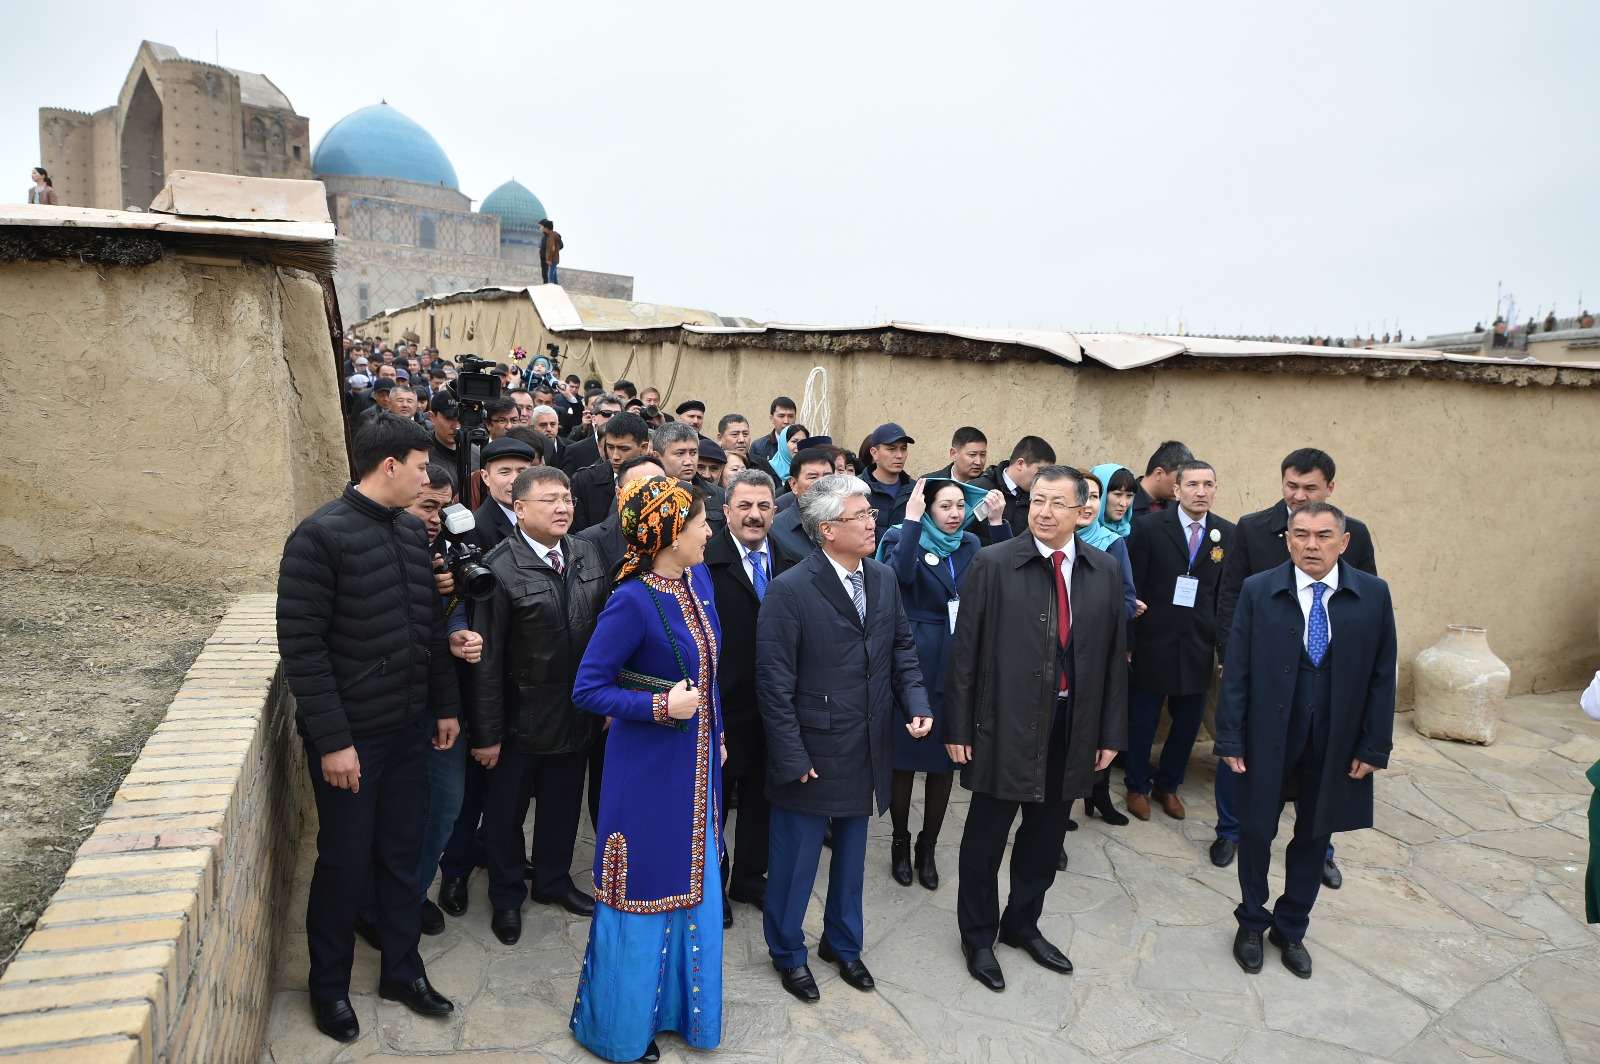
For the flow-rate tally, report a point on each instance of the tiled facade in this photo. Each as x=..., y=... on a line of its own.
x=159, y=945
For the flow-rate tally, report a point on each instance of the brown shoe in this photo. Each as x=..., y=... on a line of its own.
x=1139, y=805
x=1170, y=804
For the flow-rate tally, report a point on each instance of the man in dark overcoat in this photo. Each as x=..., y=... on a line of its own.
x=1177, y=555
x=1262, y=544
x=744, y=560
x=1306, y=711
x=1035, y=704
x=836, y=673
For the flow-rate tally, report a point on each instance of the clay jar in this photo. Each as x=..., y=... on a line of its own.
x=1460, y=687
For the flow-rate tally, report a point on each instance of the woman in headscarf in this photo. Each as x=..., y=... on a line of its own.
x=654, y=960
x=930, y=553
x=789, y=441
x=1105, y=524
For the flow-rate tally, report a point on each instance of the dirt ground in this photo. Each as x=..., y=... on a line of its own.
x=87, y=667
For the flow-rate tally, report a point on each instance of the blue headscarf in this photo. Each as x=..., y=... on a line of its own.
x=780, y=456
x=1102, y=533
x=936, y=540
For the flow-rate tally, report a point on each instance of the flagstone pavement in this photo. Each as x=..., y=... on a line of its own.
x=1459, y=934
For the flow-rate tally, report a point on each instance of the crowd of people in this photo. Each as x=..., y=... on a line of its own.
x=687, y=619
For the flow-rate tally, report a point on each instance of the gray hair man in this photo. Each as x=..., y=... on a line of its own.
x=836, y=673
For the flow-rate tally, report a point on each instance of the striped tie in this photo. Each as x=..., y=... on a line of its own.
x=858, y=593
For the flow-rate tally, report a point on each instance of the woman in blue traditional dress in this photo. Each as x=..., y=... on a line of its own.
x=929, y=553
x=654, y=961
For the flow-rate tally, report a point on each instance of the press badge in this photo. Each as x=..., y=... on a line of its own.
x=953, y=605
x=1183, y=595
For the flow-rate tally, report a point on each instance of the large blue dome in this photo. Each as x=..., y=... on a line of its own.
x=379, y=141
x=518, y=209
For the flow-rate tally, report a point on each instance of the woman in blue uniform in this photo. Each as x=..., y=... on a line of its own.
x=654, y=960
x=929, y=553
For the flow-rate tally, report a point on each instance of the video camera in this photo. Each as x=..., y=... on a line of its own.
x=465, y=560
x=473, y=387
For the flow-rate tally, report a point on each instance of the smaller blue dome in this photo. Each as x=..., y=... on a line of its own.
x=379, y=141
x=518, y=209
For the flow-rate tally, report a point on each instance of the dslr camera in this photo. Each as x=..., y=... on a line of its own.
x=465, y=560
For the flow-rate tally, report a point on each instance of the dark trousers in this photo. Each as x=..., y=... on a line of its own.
x=1303, y=757
x=1033, y=866
x=1144, y=715
x=597, y=767
x=796, y=850
x=748, y=874
x=374, y=828
x=1226, y=791
x=1034, y=854
x=554, y=784
x=464, y=850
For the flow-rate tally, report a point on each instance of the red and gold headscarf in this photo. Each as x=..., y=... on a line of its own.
x=654, y=511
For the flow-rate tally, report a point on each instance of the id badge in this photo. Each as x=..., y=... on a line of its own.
x=1184, y=594
x=953, y=605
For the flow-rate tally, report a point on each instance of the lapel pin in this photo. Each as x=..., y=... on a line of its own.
x=931, y=558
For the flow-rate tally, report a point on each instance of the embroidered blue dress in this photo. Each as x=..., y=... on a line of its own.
x=654, y=961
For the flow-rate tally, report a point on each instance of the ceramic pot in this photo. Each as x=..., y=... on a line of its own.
x=1460, y=687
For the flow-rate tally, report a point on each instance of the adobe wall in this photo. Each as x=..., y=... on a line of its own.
x=167, y=422
x=1480, y=510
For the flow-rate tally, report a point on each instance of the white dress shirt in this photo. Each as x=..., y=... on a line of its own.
x=844, y=576
x=543, y=551
x=1071, y=550
x=511, y=516
x=750, y=563
x=1184, y=521
x=1303, y=591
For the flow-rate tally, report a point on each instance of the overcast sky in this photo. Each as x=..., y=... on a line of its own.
x=1264, y=167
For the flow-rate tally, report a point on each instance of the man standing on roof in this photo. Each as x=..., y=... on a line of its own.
x=550, y=245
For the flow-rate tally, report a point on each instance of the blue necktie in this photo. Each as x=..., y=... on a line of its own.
x=758, y=573
x=1317, y=630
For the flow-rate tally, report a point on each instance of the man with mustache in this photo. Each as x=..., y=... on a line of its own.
x=743, y=559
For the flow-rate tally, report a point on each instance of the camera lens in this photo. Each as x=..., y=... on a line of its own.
x=479, y=581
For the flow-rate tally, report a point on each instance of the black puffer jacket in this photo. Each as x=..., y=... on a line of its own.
x=535, y=629
x=360, y=623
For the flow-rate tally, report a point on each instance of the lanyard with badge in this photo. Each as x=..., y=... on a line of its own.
x=953, y=604
x=1188, y=586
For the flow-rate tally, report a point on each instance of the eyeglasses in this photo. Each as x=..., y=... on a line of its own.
x=553, y=500
x=865, y=515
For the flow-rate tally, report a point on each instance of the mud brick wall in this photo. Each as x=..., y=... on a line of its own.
x=160, y=944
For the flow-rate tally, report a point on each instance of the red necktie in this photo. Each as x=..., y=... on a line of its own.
x=1063, y=609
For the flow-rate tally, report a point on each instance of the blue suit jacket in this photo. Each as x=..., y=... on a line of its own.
x=1264, y=653
x=831, y=689
x=926, y=591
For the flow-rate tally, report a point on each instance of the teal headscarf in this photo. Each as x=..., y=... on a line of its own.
x=1102, y=533
x=780, y=457
x=936, y=540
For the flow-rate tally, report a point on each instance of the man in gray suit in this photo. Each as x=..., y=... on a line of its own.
x=836, y=673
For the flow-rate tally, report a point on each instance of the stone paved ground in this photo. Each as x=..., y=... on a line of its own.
x=1458, y=935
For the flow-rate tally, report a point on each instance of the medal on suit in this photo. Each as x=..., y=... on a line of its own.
x=931, y=558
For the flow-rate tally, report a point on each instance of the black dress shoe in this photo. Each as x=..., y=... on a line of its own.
x=922, y=861
x=336, y=1019
x=982, y=966
x=727, y=914
x=432, y=918
x=1247, y=950
x=368, y=933
x=799, y=982
x=1295, y=956
x=453, y=895
x=1061, y=860
x=652, y=1053
x=900, y=859
x=853, y=972
x=574, y=901
x=758, y=898
x=1223, y=851
x=506, y=925
x=1042, y=950
x=1331, y=878
x=418, y=996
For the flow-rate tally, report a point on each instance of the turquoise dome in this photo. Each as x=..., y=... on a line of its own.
x=379, y=141
x=518, y=209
